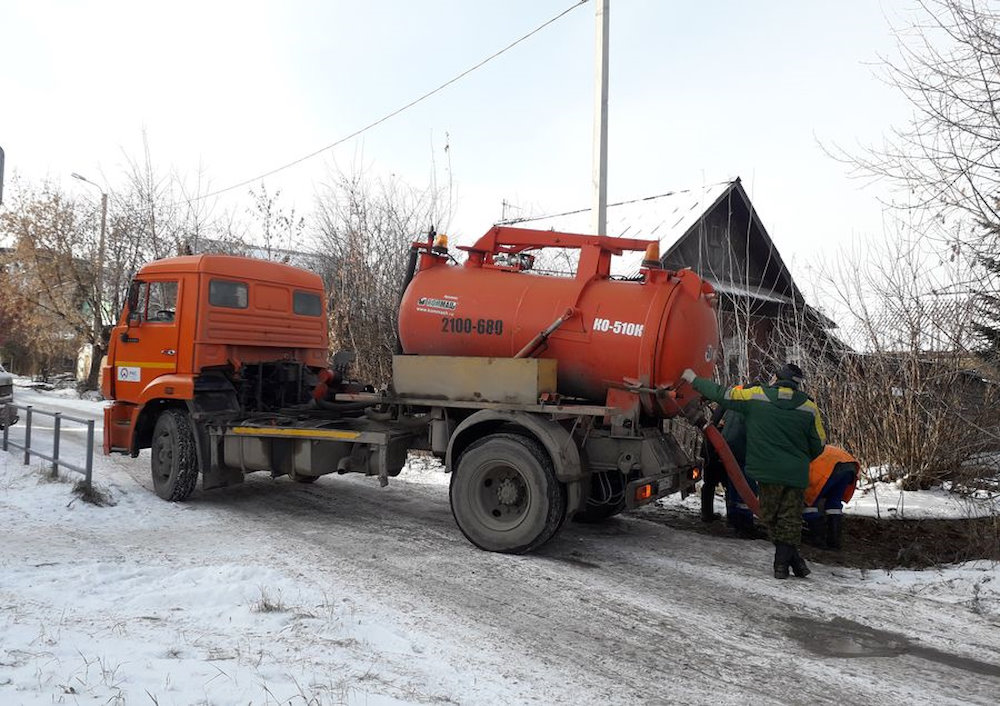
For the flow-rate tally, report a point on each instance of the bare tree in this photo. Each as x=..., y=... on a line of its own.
x=48, y=283
x=945, y=160
x=365, y=226
x=278, y=231
x=50, y=269
x=907, y=400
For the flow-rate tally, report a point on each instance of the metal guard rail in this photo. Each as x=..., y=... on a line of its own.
x=87, y=470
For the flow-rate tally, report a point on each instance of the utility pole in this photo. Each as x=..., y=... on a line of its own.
x=97, y=349
x=600, y=176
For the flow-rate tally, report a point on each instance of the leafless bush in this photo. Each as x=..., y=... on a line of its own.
x=268, y=603
x=909, y=399
x=365, y=228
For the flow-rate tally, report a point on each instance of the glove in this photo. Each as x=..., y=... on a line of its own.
x=688, y=375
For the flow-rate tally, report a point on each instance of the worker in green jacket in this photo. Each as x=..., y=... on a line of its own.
x=784, y=434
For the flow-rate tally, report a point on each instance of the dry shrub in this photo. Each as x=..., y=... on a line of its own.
x=908, y=396
x=366, y=227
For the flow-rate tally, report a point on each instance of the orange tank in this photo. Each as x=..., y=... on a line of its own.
x=605, y=333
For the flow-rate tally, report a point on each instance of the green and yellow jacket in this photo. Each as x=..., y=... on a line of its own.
x=784, y=429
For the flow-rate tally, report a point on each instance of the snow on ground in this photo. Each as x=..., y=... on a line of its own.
x=888, y=500
x=102, y=615
x=342, y=592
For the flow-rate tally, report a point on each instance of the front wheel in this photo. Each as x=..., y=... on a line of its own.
x=505, y=496
x=174, y=461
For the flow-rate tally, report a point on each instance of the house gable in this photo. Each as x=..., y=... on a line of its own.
x=729, y=246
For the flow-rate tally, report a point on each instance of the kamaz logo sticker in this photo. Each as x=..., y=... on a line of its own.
x=443, y=304
x=129, y=374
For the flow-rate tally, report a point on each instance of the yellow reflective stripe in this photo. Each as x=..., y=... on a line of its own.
x=306, y=433
x=146, y=364
x=746, y=393
x=810, y=406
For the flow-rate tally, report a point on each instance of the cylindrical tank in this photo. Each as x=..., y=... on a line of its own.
x=646, y=331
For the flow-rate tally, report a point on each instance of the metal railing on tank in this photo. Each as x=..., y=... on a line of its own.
x=54, y=458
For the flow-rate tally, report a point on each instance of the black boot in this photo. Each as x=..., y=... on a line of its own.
x=743, y=525
x=799, y=567
x=708, y=513
x=815, y=533
x=834, y=531
x=782, y=557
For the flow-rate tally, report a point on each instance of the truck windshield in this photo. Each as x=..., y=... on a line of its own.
x=158, y=301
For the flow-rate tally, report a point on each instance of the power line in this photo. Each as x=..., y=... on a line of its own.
x=394, y=113
x=512, y=221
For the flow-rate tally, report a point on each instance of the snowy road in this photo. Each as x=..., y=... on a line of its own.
x=344, y=592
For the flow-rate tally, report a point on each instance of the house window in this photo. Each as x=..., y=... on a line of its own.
x=734, y=352
x=794, y=354
x=231, y=295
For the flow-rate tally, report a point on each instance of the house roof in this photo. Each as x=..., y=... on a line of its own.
x=665, y=217
x=674, y=217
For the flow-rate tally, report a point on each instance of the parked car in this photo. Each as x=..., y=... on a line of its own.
x=8, y=415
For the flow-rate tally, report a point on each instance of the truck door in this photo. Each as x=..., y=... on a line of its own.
x=147, y=345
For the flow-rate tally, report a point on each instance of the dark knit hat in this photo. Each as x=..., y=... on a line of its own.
x=790, y=372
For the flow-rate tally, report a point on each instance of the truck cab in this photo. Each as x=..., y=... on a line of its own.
x=196, y=330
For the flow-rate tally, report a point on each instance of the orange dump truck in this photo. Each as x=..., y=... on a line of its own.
x=545, y=396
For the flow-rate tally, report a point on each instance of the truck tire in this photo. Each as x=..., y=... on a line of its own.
x=505, y=496
x=173, y=460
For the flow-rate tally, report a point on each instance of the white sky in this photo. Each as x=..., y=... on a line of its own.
x=700, y=92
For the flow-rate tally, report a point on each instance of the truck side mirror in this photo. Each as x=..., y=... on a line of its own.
x=132, y=303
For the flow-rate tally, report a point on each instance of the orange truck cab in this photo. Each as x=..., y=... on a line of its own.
x=208, y=334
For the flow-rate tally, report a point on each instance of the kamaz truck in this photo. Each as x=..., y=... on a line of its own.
x=545, y=397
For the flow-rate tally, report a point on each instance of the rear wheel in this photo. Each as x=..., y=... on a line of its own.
x=505, y=496
x=174, y=462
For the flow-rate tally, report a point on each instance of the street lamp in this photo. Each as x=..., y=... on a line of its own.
x=98, y=279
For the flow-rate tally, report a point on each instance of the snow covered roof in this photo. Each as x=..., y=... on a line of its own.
x=665, y=217
x=748, y=290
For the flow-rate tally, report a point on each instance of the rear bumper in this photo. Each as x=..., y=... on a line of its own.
x=643, y=491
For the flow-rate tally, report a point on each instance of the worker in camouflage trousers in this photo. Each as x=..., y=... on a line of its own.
x=784, y=434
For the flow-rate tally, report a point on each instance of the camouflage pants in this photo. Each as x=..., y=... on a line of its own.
x=781, y=510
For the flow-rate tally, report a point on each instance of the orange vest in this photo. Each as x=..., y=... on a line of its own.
x=821, y=468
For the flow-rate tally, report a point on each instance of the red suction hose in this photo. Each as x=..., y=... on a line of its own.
x=732, y=468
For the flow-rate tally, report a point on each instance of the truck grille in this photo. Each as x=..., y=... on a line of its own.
x=6, y=392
